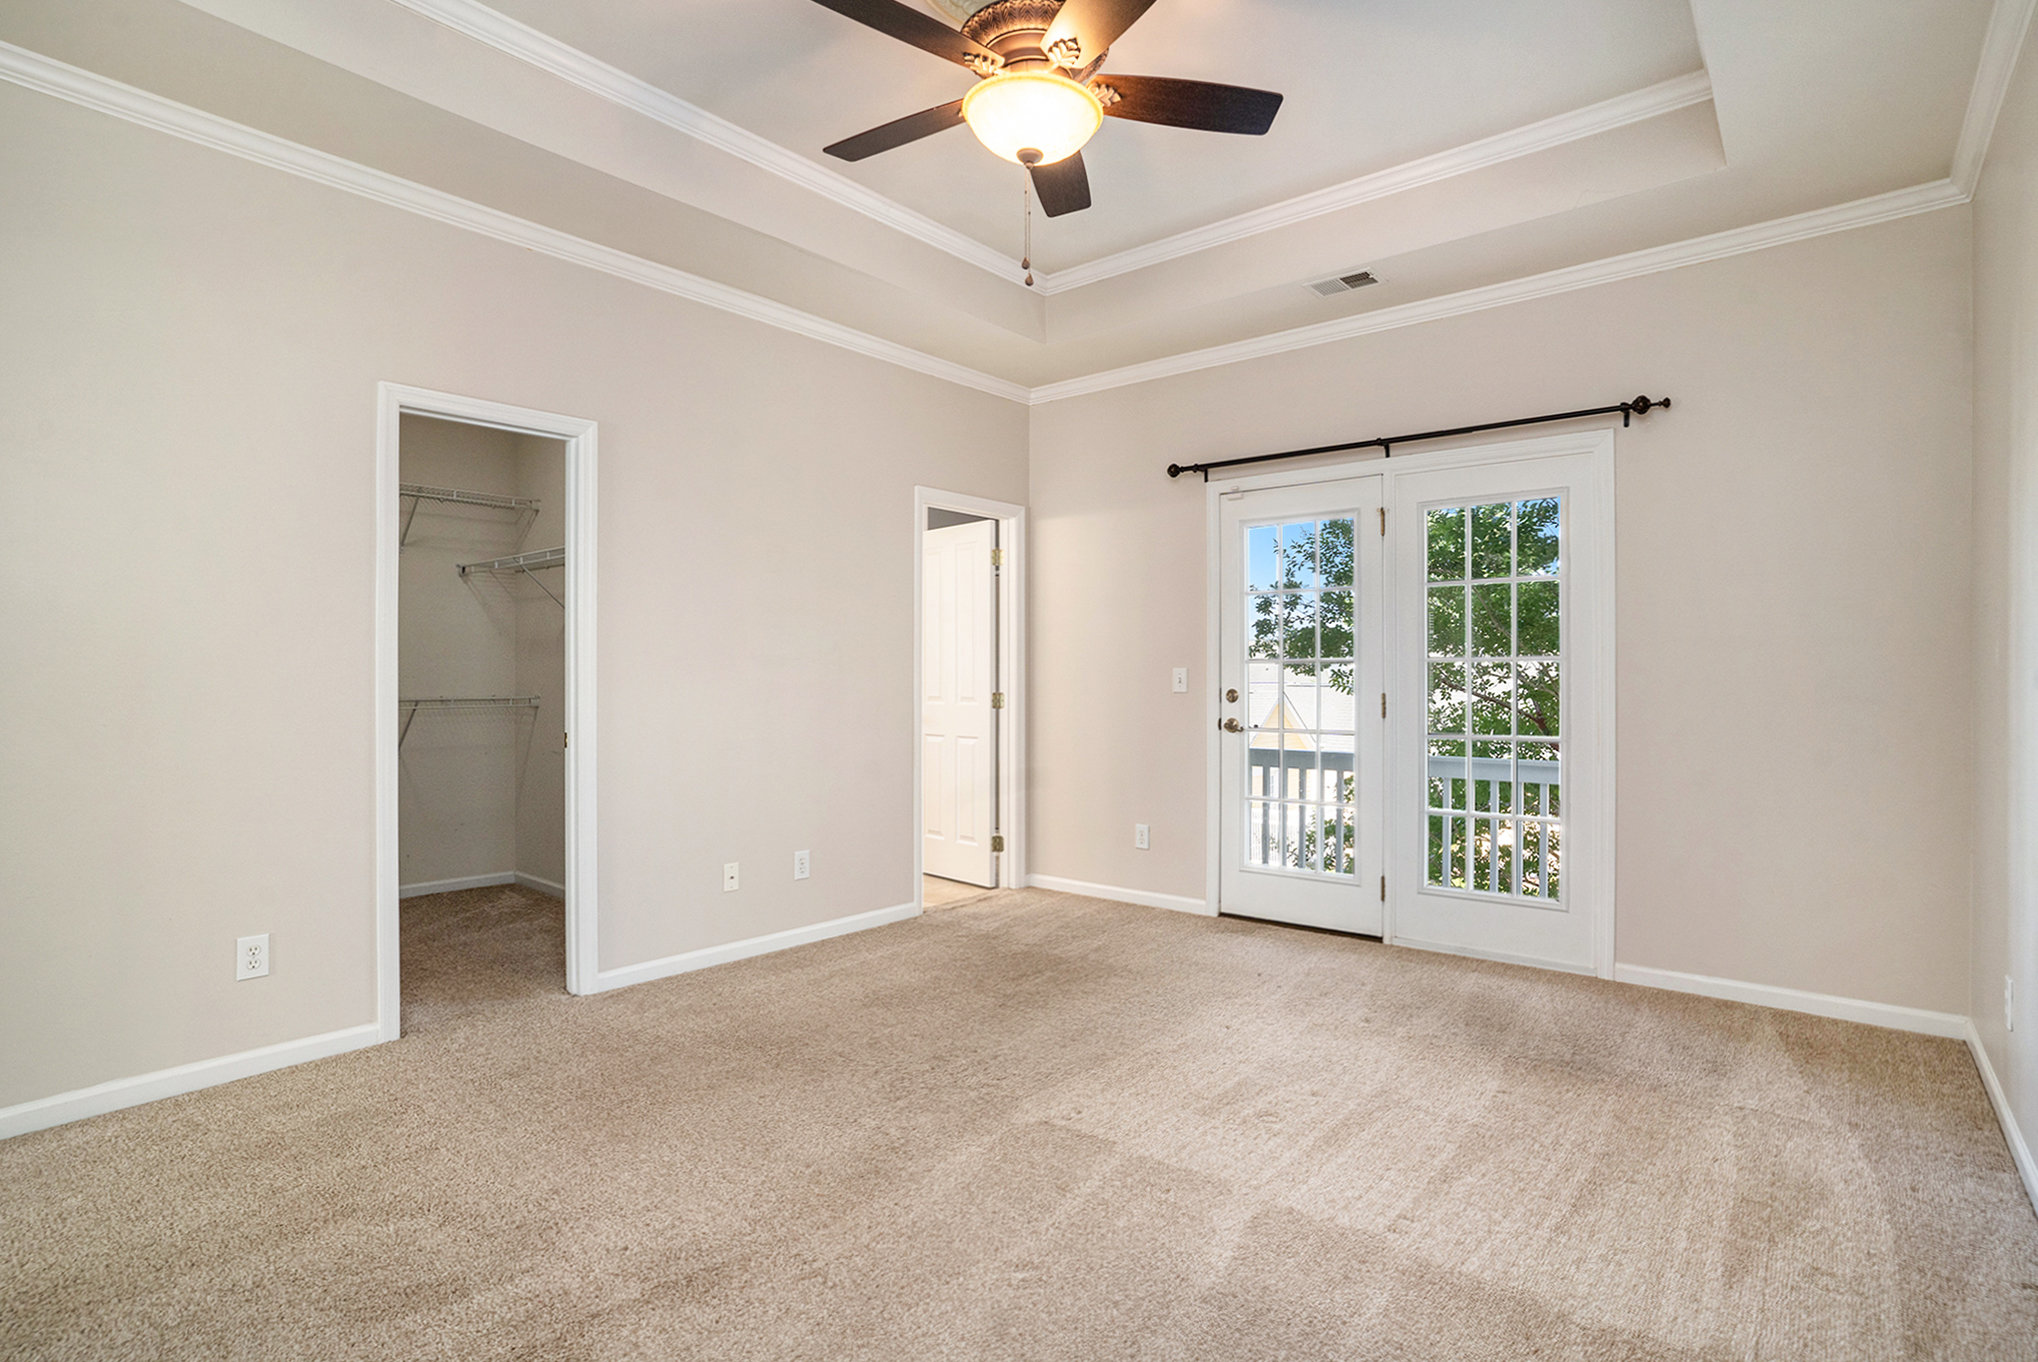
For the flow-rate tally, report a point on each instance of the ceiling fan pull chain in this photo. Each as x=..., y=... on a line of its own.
x=1026, y=261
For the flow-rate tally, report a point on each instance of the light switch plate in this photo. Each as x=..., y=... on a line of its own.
x=1181, y=680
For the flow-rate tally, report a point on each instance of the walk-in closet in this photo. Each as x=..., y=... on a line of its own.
x=481, y=671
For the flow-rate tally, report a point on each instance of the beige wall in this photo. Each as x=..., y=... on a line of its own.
x=187, y=427
x=1793, y=587
x=2005, y=565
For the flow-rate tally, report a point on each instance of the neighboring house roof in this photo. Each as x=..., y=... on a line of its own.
x=1304, y=709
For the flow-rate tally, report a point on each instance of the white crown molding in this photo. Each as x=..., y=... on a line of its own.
x=2007, y=25
x=1653, y=102
x=93, y=91
x=1900, y=203
x=570, y=64
x=60, y=80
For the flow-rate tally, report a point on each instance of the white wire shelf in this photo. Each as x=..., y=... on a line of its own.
x=461, y=497
x=458, y=496
x=410, y=708
x=519, y=562
x=526, y=563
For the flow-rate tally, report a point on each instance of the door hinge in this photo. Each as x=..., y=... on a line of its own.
x=1383, y=889
x=1383, y=704
x=997, y=841
x=997, y=558
x=997, y=699
x=565, y=741
x=1383, y=520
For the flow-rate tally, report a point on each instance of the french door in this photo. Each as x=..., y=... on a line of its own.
x=1416, y=704
x=1503, y=610
x=1301, y=672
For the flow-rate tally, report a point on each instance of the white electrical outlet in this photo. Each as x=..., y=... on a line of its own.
x=1181, y=680
x=1141, y=840
x=728, y=876
x=251, y=957
x=802, y=866
x=2009, y=1003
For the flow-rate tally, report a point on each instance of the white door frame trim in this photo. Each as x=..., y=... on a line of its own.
x=1011, y=518
x=1597, y=444
x=393, y=402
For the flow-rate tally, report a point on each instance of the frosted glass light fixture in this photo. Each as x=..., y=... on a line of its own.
x=1020, y=111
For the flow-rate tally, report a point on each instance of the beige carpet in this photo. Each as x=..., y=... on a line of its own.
x=1040, y=1127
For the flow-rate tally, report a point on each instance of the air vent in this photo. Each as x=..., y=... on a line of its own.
x=1344, y=283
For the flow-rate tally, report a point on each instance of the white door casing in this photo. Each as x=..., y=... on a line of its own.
x=393, y=401
x=1301, y=669
x=959, y=673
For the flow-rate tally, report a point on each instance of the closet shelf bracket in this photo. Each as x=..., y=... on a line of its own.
x=526, y=563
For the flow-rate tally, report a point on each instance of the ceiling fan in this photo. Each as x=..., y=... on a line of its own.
x=1038, y=96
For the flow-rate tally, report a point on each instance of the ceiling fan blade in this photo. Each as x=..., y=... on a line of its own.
x=898, y=132
x=1191, y=104
x=1064, y=187
x=923, y=31
x=1094, y=24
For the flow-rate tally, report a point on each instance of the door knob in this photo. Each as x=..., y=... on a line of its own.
x=1231, y=726
x=1232, y=695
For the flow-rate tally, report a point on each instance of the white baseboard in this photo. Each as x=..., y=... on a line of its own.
x=411, y=891
x=1176, y=903
x=2020, y=1152
x=757, y=945
x=1948, y=1024
x=552, y=887
x=1498, y=957
x=205, y=1073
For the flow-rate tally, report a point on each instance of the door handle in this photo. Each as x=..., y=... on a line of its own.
x=1231, y=726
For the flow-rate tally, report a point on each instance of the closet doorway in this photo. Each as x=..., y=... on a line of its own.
x=484, y=634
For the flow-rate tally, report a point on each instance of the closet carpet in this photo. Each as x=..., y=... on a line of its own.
x=1042, y=1127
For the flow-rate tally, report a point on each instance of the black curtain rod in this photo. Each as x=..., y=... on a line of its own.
x=1385, y=444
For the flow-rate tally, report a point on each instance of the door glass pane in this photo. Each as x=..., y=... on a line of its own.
x=1335, y=552
x=1492, y=791
x=1262, y=558
x=1447, y=621
x=1298, y=555
x=1263, y=625
x=1300, y=715
x=1446, y=529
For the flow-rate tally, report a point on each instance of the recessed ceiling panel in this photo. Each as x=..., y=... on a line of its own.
x=1368, y=85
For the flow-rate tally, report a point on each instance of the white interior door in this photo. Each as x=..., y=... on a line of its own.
x=1301, y=676
x=959, y=672
x=1501, y=784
